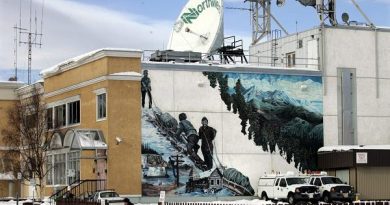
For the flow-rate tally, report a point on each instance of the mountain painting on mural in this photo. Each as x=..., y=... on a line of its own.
x=256, y=123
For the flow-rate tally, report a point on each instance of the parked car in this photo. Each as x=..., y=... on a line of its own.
x=110, y=196
x=333, y=189
x=288, y=188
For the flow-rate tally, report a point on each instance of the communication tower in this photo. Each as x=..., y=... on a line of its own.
x=28, y=36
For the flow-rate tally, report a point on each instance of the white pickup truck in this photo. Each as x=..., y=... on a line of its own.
x=109, y=197
x=288, y=188
x=333, y=189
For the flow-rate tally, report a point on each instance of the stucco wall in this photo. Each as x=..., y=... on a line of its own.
x=5, y=106
x=124, y=161
x=350, y=48
x=177, y=90
x=123, y=118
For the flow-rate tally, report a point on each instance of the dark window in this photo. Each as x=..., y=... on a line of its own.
x=60, y=115
x=311, y=181
x=283, y=183
x=49, y=118
x=277, y=182
x=331, y=180
x=74, y=112
x=292, y=181
x=317, y=182
x=290, y=59
x=300, y=43
x=101, y=106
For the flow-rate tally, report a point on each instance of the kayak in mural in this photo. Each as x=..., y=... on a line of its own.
x=277, y=112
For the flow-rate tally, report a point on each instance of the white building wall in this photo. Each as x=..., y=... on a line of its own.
x=260, y=54
x=355, y=48
x=347, y=47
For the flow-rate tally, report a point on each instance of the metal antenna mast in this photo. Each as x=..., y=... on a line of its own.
x=261, y=19
x=31, y=38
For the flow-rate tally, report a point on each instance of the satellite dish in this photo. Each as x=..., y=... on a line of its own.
x=199, y=27
x=345, y=18
x=280, y=3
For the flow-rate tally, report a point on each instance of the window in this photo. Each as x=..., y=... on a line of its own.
x=212, y=182
x=283, y=183
x=300, y=43
x=290, y=59
x=218, y=182
x=63, y=168
x=311, y=181
x=60, y=116
x=73, y=170
x=277, y=182
x=317, y=182
x=101, y=106
x=49, y=168
x=59, y=169
x=49, y=118
x=73, y=112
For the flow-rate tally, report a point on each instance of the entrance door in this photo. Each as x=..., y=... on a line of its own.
x=101, y=168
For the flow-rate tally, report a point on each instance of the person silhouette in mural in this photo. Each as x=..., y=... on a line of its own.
x=146, y=87
x=207, y=134
x=186, y=127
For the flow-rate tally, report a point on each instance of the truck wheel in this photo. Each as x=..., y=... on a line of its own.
x=264, y=196
x=327, y=198
x=290, y=199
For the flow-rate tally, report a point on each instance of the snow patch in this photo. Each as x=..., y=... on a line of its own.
x=127, y=74
x=54, y=69
x=353, y=147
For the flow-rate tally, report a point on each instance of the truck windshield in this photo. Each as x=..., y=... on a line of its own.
x=291, y=181
x=108, y=194
x=331, y=180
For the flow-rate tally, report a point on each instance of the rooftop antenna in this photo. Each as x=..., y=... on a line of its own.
x=34, y=38
x=363, y=14
x=261, y=19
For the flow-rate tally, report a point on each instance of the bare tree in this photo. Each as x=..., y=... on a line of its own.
x=27, y=138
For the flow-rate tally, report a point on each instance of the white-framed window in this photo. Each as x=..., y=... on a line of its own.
x=63, y=168
x=74, y=112
x=63, y=113
x=290, y=59
x=60, y=116
x=101, y=101
x=59, y=169
x=49, y=118
x=49, y=168
x=73, y=167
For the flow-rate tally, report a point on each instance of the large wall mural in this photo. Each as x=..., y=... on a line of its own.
x=275, y=112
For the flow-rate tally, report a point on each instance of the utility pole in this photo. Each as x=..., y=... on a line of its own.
x=177, y=160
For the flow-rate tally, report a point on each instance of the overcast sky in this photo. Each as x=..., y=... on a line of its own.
x=72, y=27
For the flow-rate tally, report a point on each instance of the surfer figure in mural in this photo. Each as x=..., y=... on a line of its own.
x=207, y=134
x=146, y=87
x=192, y=137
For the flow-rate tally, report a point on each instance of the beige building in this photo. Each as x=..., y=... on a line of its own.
x=93, y=104
x=8, y=96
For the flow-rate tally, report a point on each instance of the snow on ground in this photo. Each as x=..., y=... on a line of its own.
x=238, y=202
